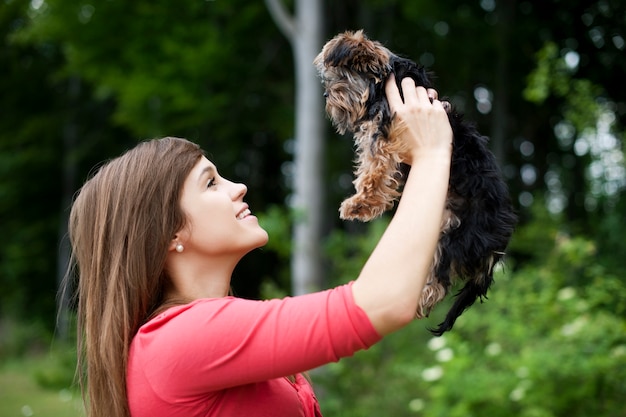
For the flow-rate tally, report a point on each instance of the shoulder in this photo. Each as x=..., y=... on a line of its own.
x=201, y=308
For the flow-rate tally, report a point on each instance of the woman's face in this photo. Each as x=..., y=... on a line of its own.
x=219, y=222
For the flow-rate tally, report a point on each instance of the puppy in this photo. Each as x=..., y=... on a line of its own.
x=479, y=218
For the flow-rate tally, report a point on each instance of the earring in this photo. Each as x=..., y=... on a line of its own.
x=179, y=247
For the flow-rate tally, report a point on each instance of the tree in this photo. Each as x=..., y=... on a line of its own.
x=220, y=73
x=193, y=70
x=40, y=111
x=304, y=33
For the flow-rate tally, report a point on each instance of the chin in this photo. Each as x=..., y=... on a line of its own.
x=263, y=239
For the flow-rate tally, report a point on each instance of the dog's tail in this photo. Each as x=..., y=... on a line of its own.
x=464, y=299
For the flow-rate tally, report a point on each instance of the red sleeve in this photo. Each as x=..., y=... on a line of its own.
x=212, y=344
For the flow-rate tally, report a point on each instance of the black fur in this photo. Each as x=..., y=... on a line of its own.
x=480, y=199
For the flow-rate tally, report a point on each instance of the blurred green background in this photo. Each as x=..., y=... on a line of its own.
x=83, y=80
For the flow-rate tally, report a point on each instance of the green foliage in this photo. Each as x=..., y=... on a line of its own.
x=548, y=75
x=549, y=341
x=56, y=371
x=170, y=66
x=20, y=395
x=21, y=338
x=552, y=76
x=276, y=220
x=345, y=251
x=28, y=177
x=535, y=240
x=83, y=81
x=39, y=165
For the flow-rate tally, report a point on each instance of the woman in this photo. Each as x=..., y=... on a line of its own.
x=156, y=235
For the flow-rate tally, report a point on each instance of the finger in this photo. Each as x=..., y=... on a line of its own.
x=432, y=94
x=392, y=92
x=442, y=106
x=422, y=95
x=408, y=89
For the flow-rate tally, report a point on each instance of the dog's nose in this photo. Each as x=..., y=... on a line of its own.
x=325, y=94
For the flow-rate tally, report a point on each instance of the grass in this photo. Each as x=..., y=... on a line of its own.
x=21, y=396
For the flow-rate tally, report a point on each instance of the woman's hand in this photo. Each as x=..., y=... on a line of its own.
x=425, y=119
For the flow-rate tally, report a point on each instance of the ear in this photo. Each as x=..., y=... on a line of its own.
x=404, y=67
x=180, y=237
x=354, y=51
x=172, y=246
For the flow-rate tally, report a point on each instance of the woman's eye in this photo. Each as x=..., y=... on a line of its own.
x=211, y=183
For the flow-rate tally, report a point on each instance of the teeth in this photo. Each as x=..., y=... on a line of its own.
x=243, y=214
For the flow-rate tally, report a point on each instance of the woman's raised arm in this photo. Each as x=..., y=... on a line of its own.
x=390, y=284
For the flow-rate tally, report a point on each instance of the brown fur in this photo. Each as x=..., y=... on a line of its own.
x=377, y=169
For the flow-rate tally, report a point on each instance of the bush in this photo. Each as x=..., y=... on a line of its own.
x=56, y=371
x=21, y=338
x=51, y=363
x=550, y=341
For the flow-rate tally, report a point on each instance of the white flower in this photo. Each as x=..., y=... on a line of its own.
x=65, y=395
x=618, y=351
x=445, y=355
x=566, y=293
x=416, y=405
x=582, y=306
x=493, y=349
x=573, y=327
x=436, y=343
x=522, y=372
x=432, y=374
x=517, y=394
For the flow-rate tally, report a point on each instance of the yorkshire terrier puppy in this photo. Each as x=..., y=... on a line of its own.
x=479, y=218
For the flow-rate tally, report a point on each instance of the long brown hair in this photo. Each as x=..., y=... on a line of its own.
x=120, y=226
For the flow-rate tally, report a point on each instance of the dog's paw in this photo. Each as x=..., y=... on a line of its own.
x=432, y=293
x=354, y=209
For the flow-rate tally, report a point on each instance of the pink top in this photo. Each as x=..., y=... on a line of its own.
x=229, y=356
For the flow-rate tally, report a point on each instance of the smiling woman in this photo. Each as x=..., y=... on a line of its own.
x=156, y=235
x=218, y=224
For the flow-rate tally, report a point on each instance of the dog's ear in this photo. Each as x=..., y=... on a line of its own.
x=354, y=51
x=403, y=67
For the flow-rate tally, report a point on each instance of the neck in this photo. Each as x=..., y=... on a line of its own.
x=194, y=278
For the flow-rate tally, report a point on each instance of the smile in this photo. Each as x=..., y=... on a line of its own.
x=243, y=214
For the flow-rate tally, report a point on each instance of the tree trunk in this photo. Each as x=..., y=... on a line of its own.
x=70, y=139
x=501, y=109
x=304, y=32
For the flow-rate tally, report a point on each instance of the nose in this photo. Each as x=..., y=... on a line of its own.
x=239, y=190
